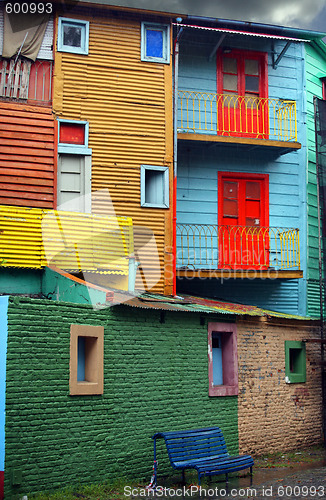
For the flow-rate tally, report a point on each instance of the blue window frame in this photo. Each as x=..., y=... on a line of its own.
x=155, y=42
x=73, y=35
x=154, y=186
x=70, y=147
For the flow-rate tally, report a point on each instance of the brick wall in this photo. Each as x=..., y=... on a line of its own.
x=289, y=415
x=155, y=379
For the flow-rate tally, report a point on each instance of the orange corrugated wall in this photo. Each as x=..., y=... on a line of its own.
x=26, y=155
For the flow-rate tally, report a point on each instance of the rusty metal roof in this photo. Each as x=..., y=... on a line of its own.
x=189, y=303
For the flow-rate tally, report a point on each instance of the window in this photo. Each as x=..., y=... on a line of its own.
x=222, y=359
x=155, y=42
x=295, y=361
x=86, y=359
x=73, y=137
x=323, y=83
x=243, y=216
x=74, y=166
x=154, y=185
x=73, y=36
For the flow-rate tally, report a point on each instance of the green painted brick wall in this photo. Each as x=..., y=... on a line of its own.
x=155, y=379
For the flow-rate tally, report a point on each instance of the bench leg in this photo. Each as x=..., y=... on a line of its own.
x=250, y=476
x=226, y=479
x=183, y=478
x=198, y=478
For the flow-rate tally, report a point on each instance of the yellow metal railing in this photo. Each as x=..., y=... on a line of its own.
x=234, y=115
x=206, y=246
x=75, y=242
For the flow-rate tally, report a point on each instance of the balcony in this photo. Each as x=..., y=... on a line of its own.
x=206, y=250
x=242, y=119
x=26, y=81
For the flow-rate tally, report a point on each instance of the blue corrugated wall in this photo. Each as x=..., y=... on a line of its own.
x=199, y=163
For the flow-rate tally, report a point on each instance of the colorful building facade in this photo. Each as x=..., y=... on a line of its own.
x=107, y=189
x=153, y=366
x=242, y=165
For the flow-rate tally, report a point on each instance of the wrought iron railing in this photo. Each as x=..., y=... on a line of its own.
x=234, y=115
x=26, y=80
x=207, y=246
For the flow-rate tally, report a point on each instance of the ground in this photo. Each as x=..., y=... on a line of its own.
x=293, y=475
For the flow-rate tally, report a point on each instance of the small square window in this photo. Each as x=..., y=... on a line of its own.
x=73, y=36
x=155, y=42
x=295, y=361
x=73, y=137
x=222, y=359
x=154, y=186
x=86, y=359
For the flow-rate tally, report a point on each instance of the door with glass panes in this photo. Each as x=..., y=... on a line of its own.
x=243, y=221
x=242, y=88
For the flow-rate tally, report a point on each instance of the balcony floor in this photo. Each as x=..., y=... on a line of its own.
x=281, y=147
x=239, y=273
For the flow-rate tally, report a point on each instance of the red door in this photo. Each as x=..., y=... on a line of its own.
x=242, y=94
x=243, y=221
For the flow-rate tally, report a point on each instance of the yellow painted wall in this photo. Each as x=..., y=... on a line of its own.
x=128, y=104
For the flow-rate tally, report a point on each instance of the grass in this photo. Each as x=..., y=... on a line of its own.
x=115, y=490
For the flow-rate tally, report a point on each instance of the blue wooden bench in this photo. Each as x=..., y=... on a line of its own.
x=201, y=449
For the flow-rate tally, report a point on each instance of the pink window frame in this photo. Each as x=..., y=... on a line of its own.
x=228, y=333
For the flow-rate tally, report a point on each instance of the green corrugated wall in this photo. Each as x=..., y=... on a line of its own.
x=315, y=70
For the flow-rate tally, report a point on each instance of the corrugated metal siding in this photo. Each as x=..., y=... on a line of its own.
x=315, y=66
x=128, y=105
x=21, y=237
x=26, y=155
x=46, y=50
x=1, y=25
x=34, y=238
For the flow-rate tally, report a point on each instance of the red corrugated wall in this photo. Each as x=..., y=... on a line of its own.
x=26, y=155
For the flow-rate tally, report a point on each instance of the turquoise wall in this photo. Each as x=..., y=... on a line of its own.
x=199, y=164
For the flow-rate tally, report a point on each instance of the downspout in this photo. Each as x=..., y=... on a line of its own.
x=320, y=265
x=175, y=157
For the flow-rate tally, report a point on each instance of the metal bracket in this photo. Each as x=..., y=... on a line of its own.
x=212, y=54
x=275, y=63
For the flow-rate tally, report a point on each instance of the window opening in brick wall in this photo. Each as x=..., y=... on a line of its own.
x=222, y=359
x=295, y=361
x=86, y=359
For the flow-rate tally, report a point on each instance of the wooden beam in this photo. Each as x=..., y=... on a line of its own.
x=238, y=273
x=188, y=136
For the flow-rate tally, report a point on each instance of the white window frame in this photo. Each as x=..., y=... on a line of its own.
x=165, y=28
x=85, y=36
x=165, y=195
x=81, y=150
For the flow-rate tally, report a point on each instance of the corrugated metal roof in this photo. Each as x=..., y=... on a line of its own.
x=240, y=32
x=188, y=303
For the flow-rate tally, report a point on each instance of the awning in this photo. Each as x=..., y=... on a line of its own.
x=239, y=32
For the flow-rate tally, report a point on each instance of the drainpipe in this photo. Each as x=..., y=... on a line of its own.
x=175, y=156
x=320, y=266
